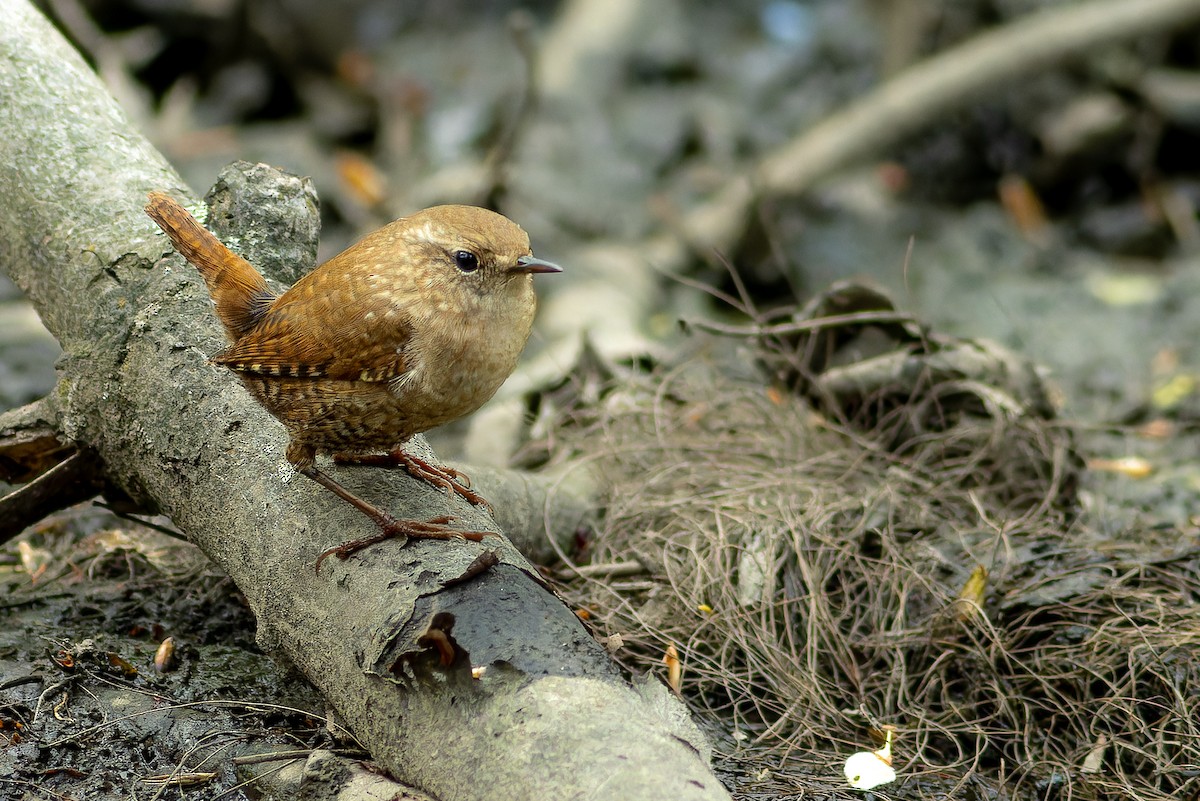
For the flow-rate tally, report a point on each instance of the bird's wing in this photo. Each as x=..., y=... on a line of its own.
x=323, y=332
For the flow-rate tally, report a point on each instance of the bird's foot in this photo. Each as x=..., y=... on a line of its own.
x=436, y=528
x=447, y=478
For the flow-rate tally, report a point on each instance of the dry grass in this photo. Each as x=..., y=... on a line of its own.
x=810, y=575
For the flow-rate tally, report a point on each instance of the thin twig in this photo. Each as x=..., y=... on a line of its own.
x=800, y=326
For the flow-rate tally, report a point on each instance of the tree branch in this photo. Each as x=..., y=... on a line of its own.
x=912, y=99
x=550, y=717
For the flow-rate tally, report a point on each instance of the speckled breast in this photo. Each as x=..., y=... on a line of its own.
x=352, y=416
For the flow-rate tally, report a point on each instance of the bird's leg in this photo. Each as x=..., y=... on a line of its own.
x=389, y=526
x=446, y=478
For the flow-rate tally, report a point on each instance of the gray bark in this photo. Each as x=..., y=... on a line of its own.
x=550, y=718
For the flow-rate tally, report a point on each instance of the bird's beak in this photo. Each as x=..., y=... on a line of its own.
x=529, y=264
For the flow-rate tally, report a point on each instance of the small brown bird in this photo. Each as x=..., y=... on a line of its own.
x=417, y=324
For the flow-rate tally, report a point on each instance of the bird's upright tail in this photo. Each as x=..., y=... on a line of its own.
x=240, y=293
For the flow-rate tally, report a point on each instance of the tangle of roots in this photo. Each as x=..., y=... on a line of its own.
x=816, y=580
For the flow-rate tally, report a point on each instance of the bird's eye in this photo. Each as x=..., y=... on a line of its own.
x=466, y=261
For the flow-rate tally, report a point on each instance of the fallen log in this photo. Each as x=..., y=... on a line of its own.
x=468, y=684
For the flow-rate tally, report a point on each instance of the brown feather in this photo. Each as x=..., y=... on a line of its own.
x=286, y=343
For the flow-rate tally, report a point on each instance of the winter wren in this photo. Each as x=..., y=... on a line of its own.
x=416, y=325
